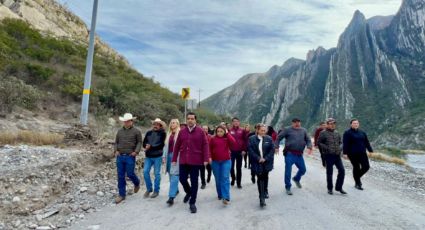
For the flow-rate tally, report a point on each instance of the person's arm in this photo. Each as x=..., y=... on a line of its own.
x=231, y=140
x=279, y=138
x=206, y=149
x=176, y=150
x=251, y=151
x=345, y=143
x=321, y=141
x=139, y=142
x=368, y=146
x=269, y=155
x=145, y=140
x=117, y=139
x=159, y=145
x=308, y=140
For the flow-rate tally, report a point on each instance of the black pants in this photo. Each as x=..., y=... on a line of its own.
x=323, y=159
x=192, y=188
x=236, y=158
x=360, y=164
x=245, y=159
x=263, y=184
x=203, y=168
x=332, y=160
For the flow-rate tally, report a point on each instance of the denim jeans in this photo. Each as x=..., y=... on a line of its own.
x=222, y=180
x=125, y=165
x=174, y=179
x=298, y=160
x=156, y=163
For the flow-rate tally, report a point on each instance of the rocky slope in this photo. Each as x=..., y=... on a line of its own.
x=375, y=73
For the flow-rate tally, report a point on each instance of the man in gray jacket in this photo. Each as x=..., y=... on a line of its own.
x=296, y=139
x=331, y=145
x=128, y=143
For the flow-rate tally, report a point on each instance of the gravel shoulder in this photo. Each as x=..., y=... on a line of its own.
x=393, y=199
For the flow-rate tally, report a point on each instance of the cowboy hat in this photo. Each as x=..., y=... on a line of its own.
x=159, y=121
x=127, y=117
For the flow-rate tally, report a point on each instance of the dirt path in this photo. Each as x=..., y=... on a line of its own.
x=380, y=206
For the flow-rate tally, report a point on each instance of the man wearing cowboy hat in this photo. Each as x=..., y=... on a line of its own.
x=128, y=143
x=154, y=143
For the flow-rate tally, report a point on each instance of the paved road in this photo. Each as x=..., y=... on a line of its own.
x=378, y=207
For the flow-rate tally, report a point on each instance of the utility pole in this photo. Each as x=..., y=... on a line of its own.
x=89, y=67
x=199, y=99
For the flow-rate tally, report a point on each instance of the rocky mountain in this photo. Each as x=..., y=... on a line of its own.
x=376, y=74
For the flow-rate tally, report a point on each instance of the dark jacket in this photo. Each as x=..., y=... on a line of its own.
x=355, y=142
x=295, y=140
x=329, y=142
x=157, y=141
x=254, y=154
x=128, y=140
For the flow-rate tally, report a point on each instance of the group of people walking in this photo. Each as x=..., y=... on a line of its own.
x=189, y=150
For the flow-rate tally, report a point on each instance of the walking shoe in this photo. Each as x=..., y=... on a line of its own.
x=239, y=186
x=341, y=191
x=170, y=201
x=288, y=192
x=297, y=183
x=226, y=201
x=330, y=192
x=219, y=198
x=154, y=195
x=359, y=187
x=136, y=189
x=186, y=198
x=193, y=208
x=119, y=199
x=232, y=182
x=147, y=193
x=262, y=203
x=208, y=179
x=203, y=186
x=253, y=179
x=266, y=195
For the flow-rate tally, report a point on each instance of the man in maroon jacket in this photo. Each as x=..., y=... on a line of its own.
x=237, y=150
x=192, y=150
x=322, y=127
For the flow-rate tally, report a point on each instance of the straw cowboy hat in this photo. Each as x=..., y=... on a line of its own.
x=159, y=121
x=127, y=117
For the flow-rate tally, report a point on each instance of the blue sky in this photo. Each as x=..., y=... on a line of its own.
x=210, y=44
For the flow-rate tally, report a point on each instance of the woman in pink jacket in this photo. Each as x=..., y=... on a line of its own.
x=221, y=162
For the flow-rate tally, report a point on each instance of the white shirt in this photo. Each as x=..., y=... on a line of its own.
x=260, y=146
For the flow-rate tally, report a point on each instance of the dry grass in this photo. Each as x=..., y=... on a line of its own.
x=386, y=158
x=30, y=137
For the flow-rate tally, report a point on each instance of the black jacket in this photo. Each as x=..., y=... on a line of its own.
x=254, y=154
x=355, y=142
x=329, y=142
x=157, y=141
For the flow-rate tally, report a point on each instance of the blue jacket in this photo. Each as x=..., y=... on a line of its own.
x=254, y=154
x=355, y=142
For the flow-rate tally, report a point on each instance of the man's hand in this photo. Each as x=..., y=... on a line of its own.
x=276, y=151
x=148, y=146
x=205, y=163
x=310, y=151
x=133, y=154
x=262, y=160
x=345, y=156
x=209, y=161
x=243, y=153
x=163, y=160
x=174, y=163
x=117, y=153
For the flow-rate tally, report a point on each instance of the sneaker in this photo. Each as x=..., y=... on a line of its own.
x=288, y=192
x=186, y=198
x=253, y=179
x=297, y=183
x=147, y=193
x=341, y=191
x=330, y=192
x=154, y=195
x=226, y=201
x=262, y=203
x=266, y=195
x=193, y=208
x=208, y=180
x=136, y=189
x=170, y=201
x=358, y=186
x=203, y=186
x=239, y=186
x=119, y=199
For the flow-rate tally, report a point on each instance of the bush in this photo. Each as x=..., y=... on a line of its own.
x=14, y=92
x=72, y=86
x=39, y=74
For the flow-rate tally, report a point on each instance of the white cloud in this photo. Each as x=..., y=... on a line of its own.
x=211, y=44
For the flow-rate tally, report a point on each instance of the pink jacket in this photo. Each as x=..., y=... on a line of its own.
x=220, y=147
x=240, y=136
x=192, y=147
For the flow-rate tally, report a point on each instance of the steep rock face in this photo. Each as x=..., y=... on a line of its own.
x=376, y=73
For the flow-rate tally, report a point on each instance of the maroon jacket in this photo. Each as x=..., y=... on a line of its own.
x=220, y=147
x=240, y=136
x=192, y=147
x=316, y=136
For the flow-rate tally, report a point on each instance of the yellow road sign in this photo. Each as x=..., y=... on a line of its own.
x=186, y=93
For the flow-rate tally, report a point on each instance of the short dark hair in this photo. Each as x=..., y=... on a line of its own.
x=191, y=113
x=353, y=120
x=235, y=118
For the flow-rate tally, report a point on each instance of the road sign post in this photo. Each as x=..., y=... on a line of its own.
x=185, y=96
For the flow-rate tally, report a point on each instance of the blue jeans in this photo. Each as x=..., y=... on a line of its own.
x=222, y=181
x=174, y=179
x=156, y=163
x=298, y=160
x=126, y=164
